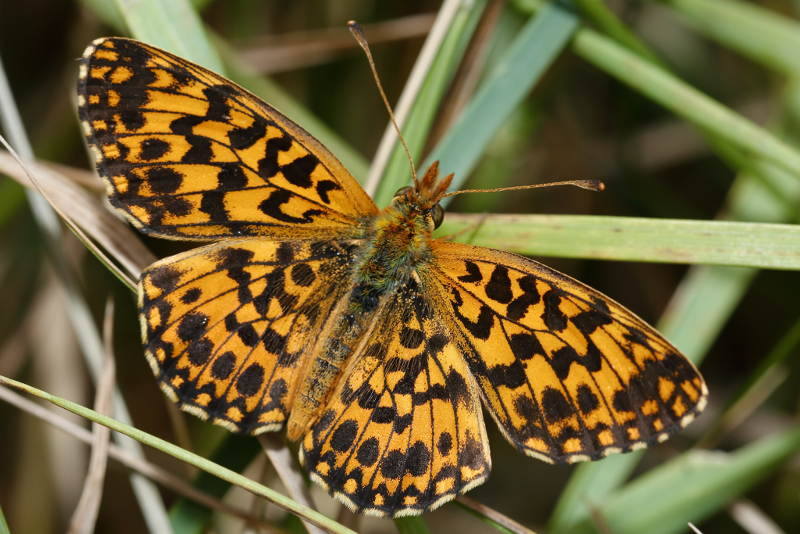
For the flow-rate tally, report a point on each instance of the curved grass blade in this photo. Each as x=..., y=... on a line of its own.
x=184, y=456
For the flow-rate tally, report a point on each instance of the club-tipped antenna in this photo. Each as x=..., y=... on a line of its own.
x=591, y=185
x=358, y=34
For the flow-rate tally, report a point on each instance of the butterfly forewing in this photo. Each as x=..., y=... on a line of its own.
x=403, y=433
x=187, y=154
x=567, y=373
x=227, y=325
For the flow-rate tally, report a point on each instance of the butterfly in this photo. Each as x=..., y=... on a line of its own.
x=372, y=342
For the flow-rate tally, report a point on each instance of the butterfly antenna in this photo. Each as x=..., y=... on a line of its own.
x=591, y=185
x=358, y=34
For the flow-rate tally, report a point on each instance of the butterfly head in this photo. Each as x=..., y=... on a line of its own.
x=422, y=198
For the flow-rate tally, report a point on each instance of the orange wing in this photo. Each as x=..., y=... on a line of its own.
x=403, y=432
x=226, y=326
x=567, y=373
x=187, y=154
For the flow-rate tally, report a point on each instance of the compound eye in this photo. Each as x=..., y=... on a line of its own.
x=437, y=214
x=403, y=190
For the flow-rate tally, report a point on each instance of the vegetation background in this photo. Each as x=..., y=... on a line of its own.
x=687, y=109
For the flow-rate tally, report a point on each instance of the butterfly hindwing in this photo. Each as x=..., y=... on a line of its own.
x=568, y=373
x=403, y=431
x=187, y=154
x=227, y=325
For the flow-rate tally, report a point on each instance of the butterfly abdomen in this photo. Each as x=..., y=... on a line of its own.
x=397, y=247
x=348, y=325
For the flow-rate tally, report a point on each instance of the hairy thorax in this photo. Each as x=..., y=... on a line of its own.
x=396, y=245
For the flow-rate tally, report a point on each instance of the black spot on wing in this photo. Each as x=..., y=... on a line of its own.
x=344, y=435
x=192, y=326
x=268, y=165
x=530, y=295
x=192, y=295
x=411, y=338
x=223, y=366
x=499, y=286
x=164, y=180
x=563, y=358
x=555, y=405
x=525, y=346
x=249, y=382
x=473, y=273
x=153, y=148
x=212, y=203
x=200, y=351
x=552, y=315
x=241, y=138
x=298, y=172
x=587, y=400
x=231, y=177
x=272, y=207
x=324, y=187
x=482, y=326
x=589, y=321
x=367, y=453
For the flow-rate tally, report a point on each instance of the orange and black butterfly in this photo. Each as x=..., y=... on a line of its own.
x=373, y=343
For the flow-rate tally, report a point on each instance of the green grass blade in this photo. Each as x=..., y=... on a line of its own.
x=420, y=118
x=411, y=525
x=760, y=34
x=606, y=19
x=683, y=99
x=3, y=524
x=184, y=456
x=677, y=96
x=172, y=25
x=770, y=246
x=539, y=42
x=690, y=487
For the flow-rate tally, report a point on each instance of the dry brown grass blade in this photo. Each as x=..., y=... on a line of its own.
x=48, y=331
x=283, y=461
x=297, y=50
x=143, y=467
x=84, y=517
x=494, y=515
x=85, y=210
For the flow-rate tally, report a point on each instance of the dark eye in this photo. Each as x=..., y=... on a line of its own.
x=403, y=190
x=437, y=214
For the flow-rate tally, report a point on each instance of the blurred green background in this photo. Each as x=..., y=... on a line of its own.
x=576, y=111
